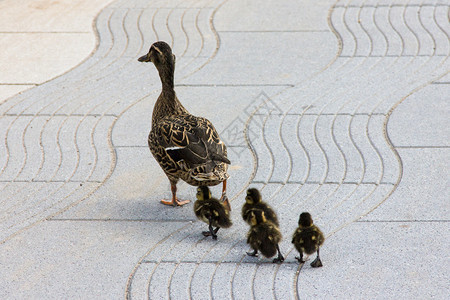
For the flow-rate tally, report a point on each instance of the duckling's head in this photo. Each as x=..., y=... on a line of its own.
x=305, y=220
x=253, y=196
x=257, y=216
x=160, y=54
x=203, y=193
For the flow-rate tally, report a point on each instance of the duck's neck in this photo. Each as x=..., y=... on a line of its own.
x=167, y=103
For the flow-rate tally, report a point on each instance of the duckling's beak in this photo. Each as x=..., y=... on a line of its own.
x=144, y=58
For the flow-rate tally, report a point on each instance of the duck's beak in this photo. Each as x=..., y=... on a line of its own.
x=144, y=58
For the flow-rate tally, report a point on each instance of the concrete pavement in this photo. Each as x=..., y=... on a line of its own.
x=337, y=108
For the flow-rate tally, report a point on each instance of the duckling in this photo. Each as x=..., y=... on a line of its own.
x=211, y=211
x=253, y=200
x=263, y=236
x=307, y=239
x=185, y=146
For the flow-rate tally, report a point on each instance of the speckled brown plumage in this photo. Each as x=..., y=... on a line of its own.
x=185, y=146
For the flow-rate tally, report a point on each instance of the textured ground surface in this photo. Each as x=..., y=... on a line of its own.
x=336, y=108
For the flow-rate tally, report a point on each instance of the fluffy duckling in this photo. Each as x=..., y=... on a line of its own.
x=307, y=239
x=263, y=236
x=253, y=200
x=211, y=211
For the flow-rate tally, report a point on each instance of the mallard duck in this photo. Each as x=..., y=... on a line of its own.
x=211, y=211
x=185, y=146
x=307, y=239
x=264, y=236
x=253, y=200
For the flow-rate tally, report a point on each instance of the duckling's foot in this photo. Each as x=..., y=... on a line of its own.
x=254, y=253
x=300, y=260
x=207, y=233
x=175, y=202
x=280, y=257
x=278, y=260
x=316, y=263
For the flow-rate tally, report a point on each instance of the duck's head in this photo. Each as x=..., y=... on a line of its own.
x=257, y=216
x=159, y=54
x=203, y=193
x=253, y=196
x=305, y=220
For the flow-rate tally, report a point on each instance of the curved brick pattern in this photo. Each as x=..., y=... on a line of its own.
x=329, y=156
x=60, y=131
x=319, y=144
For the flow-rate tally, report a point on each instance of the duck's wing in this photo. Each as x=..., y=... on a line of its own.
x=191, y=139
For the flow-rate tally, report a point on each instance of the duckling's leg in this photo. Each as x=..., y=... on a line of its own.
x=280, y=257
x=212, y=232
x=317, y=262
x=300, y=258
x=174, y=201
x=254, y=253
x=224, y=197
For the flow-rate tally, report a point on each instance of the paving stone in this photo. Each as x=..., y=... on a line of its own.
x=427, y=118
x=315, y=102
x=419, y=199
x=354, y=248
x=83, y=250
x=255, y=16
x=248, y=68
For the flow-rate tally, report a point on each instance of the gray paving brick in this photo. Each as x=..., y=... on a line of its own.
x=52, y=153
x=242, y=286
x=308, y=97
x=281, y=165
x=16, y=153
x=420, y=200
x=139, y=283
x=34, y=153
x=428, y=118
x=354, y=163
x=361, y=269
x=221, y=281
x=179, y=285
x=233, y=17
x=199, y=288
x=391, y=165
x=299, y=157
x=264, y=281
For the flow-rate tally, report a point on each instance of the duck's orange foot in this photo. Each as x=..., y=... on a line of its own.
x=175, y=202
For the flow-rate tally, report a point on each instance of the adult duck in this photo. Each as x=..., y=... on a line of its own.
x=186, y=147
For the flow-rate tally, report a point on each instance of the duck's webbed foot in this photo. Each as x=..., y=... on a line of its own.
x=317, y=262
x=212, y=232
x=254, y=253
x=300, y=258
x=280, y=257
x=207, y=233
x=174, y=201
